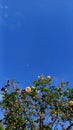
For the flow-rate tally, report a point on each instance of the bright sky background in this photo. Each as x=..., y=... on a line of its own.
x=36, y=37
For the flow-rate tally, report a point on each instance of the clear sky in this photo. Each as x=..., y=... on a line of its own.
x=36, y=37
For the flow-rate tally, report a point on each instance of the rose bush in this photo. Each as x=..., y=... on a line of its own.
x=41, y=106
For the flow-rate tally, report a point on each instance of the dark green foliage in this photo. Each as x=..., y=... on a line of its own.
x=1, y=127
x=40, y=107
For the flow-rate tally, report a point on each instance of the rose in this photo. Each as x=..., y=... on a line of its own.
x=28, y=89
x=71, y=103
x=48, y=77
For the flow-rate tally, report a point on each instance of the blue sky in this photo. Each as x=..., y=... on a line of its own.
x=36, y=38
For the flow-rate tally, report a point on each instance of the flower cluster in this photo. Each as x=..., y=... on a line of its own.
x=31, y=89
x=42, y=77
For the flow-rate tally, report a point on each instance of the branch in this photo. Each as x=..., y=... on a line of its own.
x=53, y=123
x=69, y=127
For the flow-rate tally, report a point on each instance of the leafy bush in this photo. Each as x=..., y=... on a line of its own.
x=41, y=106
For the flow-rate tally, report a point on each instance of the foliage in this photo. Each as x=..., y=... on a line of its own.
x=1, y=126
x=41, y=106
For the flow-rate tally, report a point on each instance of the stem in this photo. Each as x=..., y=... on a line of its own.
x=40, y=121
x=69, y=127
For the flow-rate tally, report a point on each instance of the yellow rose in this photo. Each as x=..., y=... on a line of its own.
x=71, y=103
